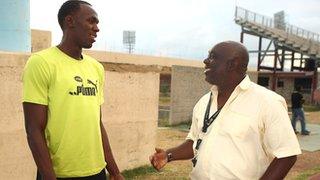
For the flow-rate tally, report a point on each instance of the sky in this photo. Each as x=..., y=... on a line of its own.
x=175, y=28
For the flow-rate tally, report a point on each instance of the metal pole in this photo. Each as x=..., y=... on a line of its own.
x=241, y=35
x=274, y=75
x=282, y=58
x=259, y=53
x=292, y=60
x=301, y=57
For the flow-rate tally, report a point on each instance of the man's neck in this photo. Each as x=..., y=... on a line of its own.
x=225, y=91
x=70, y=48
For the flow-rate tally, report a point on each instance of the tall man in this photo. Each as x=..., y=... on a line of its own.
x=62, y=95
x=239, y=130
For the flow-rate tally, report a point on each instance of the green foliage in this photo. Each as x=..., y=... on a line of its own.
x=163, y=122
x=308, y=173
x=165, y=90
x=311, y=108
x=134, y=173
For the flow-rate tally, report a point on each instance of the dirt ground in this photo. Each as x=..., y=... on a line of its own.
x=168, y=137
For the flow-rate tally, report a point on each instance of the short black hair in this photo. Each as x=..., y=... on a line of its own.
x=69, y=7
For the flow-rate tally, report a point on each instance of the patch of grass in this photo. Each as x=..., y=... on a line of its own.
x=308, y=108
x=184, y=126
x=143, y=170
x=164, y=100
x=163, y=122
x=311, y=108
x=307, y=173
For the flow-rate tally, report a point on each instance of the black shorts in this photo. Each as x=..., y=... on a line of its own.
x=100, y=176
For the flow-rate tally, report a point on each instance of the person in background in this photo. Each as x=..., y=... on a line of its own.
x=297, y=111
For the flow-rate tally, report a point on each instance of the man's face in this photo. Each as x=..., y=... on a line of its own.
x=85, y=26
x=215, y=66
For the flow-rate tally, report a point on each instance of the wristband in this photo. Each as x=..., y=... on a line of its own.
x=169, y=157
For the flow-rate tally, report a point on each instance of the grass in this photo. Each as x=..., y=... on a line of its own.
x=148, y=172
x=311, y=108
x=184, y=126
x=164, y=122
x=306, y=174
x=164, y=100
x=308, y=108
x=140, y=171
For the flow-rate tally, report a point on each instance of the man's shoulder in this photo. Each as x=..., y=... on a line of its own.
x=265, y=94
x=92, y=60
x=44, y=55
x=45, y=52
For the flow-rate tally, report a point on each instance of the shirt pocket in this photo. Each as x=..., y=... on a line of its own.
x=235, y=124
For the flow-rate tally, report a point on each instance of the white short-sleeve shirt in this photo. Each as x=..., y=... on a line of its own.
x=251, y=130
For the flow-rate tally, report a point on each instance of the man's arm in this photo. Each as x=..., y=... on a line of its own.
x=111, y=164
x=35, y=123
x=182, y=152
x=279, y=168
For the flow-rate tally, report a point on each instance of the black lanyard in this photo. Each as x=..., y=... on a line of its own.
x=206, y=124
x=208, y=121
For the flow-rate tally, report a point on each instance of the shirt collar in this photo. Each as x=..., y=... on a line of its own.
x=244, y=85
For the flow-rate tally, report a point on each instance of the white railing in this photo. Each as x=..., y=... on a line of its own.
x=250, y=16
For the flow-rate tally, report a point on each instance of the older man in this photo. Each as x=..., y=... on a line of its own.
x=239, y=129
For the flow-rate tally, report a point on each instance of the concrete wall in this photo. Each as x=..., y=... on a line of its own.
x=188, y=85
x=287, y=89
x=130, y=115
x=15, y=158
x=125, y=58
x=40, y=40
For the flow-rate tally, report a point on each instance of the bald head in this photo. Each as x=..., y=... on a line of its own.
x=233, y=51
x=226, y=64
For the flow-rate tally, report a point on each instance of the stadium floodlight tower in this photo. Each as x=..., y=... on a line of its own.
x=279, y=20
x=129, y=40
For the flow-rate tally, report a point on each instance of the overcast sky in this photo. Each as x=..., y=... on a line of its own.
x=175, y=28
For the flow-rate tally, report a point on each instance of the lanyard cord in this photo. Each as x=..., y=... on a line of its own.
x=206, y=123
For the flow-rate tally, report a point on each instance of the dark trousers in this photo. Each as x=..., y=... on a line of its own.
x=100, y=176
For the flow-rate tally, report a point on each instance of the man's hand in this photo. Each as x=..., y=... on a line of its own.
x=158, y=159
x=116, y=177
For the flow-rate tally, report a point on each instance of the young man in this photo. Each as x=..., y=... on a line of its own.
x=62, y=95
x=239, y=130
x=297, y=111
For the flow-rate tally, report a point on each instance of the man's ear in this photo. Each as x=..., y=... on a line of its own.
x=69, y=21
x=231, y=64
